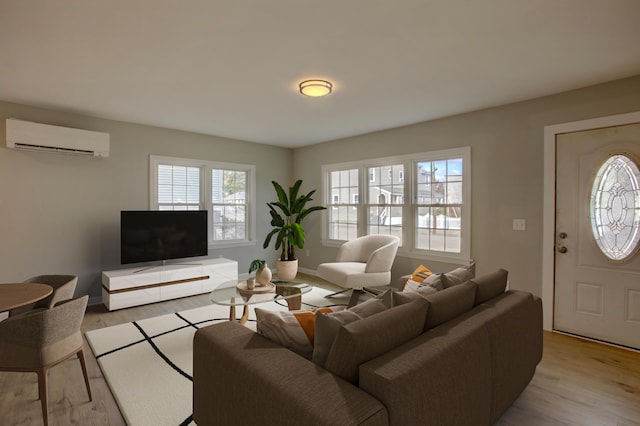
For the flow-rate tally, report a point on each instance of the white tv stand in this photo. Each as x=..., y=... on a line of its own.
x=138, y=286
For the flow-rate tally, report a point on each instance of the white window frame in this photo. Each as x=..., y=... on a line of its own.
x=409, y=219
x=206, y=203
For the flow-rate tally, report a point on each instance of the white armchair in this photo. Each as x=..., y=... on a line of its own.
x=362, y=262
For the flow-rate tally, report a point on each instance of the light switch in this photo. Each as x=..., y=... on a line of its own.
x=519, y=224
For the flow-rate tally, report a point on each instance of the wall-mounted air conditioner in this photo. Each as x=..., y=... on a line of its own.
x=44, y=137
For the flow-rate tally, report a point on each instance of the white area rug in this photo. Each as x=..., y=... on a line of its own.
x=148, y=363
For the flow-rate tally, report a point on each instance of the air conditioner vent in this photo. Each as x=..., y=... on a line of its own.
x=27, y=135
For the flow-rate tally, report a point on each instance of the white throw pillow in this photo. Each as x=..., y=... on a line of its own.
x=294, y=330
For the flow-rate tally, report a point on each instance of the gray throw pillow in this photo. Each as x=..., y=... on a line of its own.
x=363, y=340
x=459, y=275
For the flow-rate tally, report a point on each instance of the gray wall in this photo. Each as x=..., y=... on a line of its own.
x=507, y=166
x=61, y=214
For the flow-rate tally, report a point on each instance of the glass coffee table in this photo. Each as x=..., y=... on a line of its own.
x=234, y=293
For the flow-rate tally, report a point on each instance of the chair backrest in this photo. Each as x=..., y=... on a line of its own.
x=63, y=288
x=377, y=251
x=42, y=337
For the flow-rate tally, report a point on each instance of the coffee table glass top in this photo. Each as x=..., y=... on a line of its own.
x=232, y=293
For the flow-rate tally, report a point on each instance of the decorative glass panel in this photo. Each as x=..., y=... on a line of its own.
x=615, y=207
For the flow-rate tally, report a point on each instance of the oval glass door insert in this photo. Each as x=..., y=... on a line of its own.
x=615, y=207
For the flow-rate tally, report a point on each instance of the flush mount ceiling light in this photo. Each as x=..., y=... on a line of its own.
x=315, y=88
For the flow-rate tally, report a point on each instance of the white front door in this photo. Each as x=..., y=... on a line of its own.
x=597, y=265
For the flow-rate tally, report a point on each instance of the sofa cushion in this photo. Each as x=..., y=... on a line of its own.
x=490, y=285
x=327, y=325
x=295, y=330
x=459, y=275
x=363, y=340
x=449, y=303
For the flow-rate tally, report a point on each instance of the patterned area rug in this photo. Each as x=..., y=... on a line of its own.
x=148, y=363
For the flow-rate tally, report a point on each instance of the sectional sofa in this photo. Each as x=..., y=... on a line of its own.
x=459, y=356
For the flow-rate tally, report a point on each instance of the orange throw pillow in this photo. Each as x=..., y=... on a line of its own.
x=421, y=273
x=307, y=320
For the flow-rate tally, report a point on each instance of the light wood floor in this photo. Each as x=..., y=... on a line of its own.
x=577, y=383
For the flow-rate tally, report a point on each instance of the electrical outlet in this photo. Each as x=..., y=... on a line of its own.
x=519, y=225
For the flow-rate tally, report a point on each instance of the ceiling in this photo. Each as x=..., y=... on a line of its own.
x=231, y=68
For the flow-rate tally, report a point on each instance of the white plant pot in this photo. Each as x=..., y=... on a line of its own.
x=287, y=269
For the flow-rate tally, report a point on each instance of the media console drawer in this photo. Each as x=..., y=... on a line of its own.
x=123, y=288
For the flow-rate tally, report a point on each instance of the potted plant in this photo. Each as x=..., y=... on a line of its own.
x=263, y=273
x=286, y=218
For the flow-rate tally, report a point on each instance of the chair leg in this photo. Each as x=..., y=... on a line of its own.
x=338, y=292
x=43, y=394
x=372, y=291
x=355, y=297
x=83, y=364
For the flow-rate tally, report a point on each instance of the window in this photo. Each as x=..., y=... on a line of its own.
x=225, y=190
x=228, y=204
x=384, y=211
x=178, y=187
x=421, y=198
x=343, y=218
x=439, y=205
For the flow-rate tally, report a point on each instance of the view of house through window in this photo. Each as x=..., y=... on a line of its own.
x=439, y=205
x=343, y=208
x=386, y=196
x=228, y=190
x=223, y=189
x=420, y=198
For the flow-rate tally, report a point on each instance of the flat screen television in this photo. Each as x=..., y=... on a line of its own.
x=162, y=235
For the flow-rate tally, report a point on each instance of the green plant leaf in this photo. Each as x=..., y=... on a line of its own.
x=282, y=196
x=256, y=264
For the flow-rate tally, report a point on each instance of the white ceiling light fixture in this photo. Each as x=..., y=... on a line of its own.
x=316, y=88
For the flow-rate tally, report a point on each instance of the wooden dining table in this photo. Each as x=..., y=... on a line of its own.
x=14, y=295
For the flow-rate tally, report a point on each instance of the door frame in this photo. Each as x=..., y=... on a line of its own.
x=549, y=199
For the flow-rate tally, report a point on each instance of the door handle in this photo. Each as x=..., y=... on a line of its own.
x=562, y=249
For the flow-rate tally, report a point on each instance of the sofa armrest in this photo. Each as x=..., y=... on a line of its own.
x=240, y=378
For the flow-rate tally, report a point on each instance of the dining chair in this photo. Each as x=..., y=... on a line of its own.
x=63, y=288
x=39, y=340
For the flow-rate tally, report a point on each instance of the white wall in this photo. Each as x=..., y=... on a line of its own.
x=507, y=167
x=61, y=214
